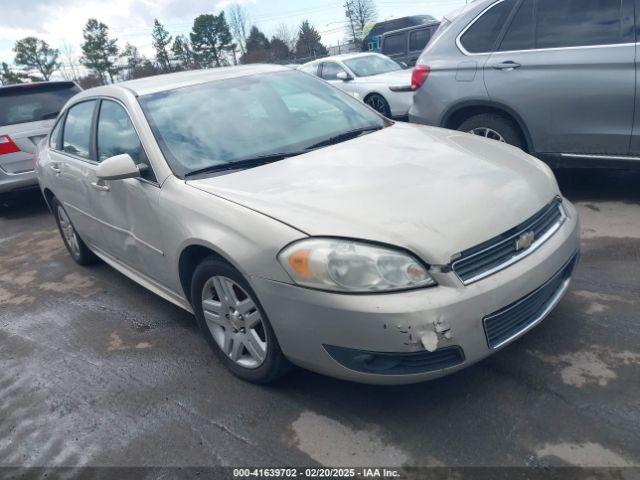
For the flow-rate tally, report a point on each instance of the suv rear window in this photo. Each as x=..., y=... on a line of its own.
x=482, y=35
x=34, y=102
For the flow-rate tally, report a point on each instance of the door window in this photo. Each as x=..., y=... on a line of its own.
x=395, y=44
x=571, y=23
x=311, y=69
x=55, y=135
x=330, y=71
x=116, y=135
x=419, y=39
x=77, y=130
x=482, y=35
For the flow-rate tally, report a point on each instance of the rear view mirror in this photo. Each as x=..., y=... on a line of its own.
x=344, y=76
x=118, y=167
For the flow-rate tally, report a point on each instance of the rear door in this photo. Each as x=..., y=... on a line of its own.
x=27, y=113
x=73, y=166
x=567, y=68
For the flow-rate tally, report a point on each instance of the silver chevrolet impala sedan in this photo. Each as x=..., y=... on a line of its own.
x=301, y=227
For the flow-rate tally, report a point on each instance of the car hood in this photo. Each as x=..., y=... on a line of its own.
x=435, y=192
x=399, y=78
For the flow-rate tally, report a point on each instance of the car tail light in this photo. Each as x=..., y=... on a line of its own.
x=419, y=76
x=7, y=145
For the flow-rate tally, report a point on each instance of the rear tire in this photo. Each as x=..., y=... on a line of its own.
x=493, y=126
x=75, y=246
x=379, y=104
x=235, y=324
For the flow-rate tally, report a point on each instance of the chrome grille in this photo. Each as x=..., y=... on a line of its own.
x=505, y=249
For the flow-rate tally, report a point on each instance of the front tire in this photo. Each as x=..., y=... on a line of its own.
x=495, y=127
x=235, y=324
x=75, y=246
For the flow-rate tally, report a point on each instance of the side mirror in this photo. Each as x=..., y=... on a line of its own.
x=118, y=167
x=344, y=76
x=404, y=65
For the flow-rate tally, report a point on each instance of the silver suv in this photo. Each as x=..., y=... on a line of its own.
x=27, y=113
x=554, y=77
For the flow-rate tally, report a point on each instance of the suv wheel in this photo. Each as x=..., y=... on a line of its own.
x=493, y=126
x=234, y=323
x=75, y=246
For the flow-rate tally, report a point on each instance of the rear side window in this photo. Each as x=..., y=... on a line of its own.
x=395, y=44
x=572, y=23
x=419, y=39
x=34, y=102
x=521, y=33
x=77, y=130
x=482, y=35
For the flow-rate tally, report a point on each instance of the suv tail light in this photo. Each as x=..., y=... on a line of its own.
x=419, y=76
x=7, y=145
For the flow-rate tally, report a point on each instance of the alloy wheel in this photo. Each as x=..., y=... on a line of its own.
x=488, y=133
x=235, y=322
x=68, y=232
x=377, y=103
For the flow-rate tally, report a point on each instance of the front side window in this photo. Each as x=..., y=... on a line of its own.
x=419, y=39
x=395, y=44
x=311, y=69
x=330, y=70
x=55, y=134
x=116, y=135
x=369, y=65
x=77, y=130
x=227, y=121
x=482, y=35
x=572, y=23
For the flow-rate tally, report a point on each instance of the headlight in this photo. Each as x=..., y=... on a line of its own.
x=352, y=266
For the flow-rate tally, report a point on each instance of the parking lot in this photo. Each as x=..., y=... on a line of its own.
x=95, y=370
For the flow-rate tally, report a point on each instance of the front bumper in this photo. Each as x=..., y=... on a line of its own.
x=306, y=321
x=20, y=181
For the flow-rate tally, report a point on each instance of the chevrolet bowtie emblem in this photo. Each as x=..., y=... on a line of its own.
x=525, y=240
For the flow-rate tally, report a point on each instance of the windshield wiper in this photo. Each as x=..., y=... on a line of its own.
x=343, y=137
x=244, y=163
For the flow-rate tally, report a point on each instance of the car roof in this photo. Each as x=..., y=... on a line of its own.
x=171, y=81
x=342, y=57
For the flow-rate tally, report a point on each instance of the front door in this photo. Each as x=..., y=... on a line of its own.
x=567, y=67
x=127, y=209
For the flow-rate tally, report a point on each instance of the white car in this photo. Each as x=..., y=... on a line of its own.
x=377, y=80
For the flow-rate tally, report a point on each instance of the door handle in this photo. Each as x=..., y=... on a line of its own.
x=55, y=167
x=100, y=187
x=508, y=66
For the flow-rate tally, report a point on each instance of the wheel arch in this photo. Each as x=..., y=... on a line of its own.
x=459, y=112
x=48, y=198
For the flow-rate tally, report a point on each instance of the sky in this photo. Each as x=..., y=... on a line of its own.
x=60, y=22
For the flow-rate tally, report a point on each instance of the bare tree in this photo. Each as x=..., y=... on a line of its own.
x=288, y=36
x=359, y=13
x=69, y=68
x=239, y=25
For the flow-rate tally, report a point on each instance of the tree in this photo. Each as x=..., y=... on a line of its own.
x=284, y=33
x=279, y=50
x=359, y=13
x=309, y=42
x=9, y=77
x=132, y=59
x=210, y=39
x=257, y=47
x=182, y=51
x=161, y=42
x=239, y=25
x=68, y=69
x=99, y=53
x=35, y=54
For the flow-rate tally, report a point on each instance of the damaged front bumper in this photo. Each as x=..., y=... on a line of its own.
x=412, y=336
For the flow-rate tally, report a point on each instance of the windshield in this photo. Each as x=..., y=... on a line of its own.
x=369, y=65
x=34, y=102
x=233, y=120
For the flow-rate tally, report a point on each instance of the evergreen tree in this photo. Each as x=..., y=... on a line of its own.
x=35, y=54
x=210, y=39
x=161, y=42
x=9, y=77
x=309, y=42
x=257, y=47
x=99, y=52
x=182, y=51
